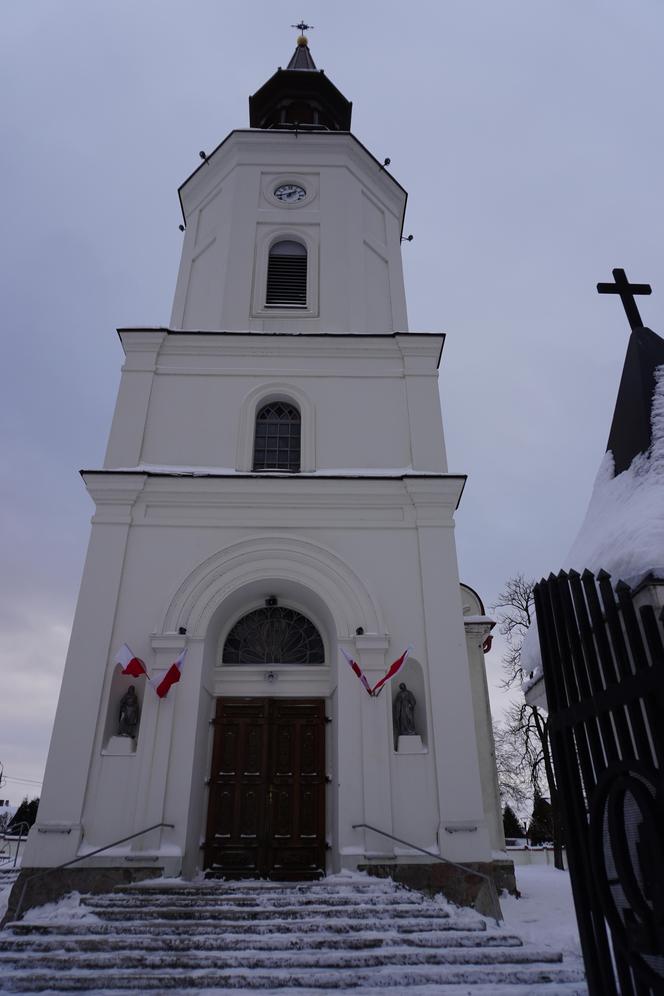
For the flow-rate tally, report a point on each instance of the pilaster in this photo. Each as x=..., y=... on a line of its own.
x=463, y=833
x=420, y=362
x=59, y=830
x=376, y=728
x=131, y=409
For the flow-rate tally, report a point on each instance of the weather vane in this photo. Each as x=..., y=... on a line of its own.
x=302, y=27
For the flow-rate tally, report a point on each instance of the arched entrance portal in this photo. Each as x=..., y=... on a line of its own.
x=266, y=809
x=315, y=581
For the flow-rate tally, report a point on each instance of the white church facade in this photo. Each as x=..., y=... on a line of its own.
x=275, y=493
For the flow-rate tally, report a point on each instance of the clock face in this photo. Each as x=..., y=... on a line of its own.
x=290, y=193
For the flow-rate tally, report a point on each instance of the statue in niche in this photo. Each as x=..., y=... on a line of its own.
x=129, y=714
x=403, y=711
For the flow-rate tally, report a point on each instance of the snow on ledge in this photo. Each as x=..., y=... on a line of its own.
x=179, y=469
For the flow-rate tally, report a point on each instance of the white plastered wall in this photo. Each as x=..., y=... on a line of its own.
x=367, y=403
x=170, y=579
x=350, y=222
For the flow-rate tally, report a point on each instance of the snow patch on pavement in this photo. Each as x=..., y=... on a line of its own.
x=544, y=915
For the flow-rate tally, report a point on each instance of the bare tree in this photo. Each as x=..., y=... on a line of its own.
x=526, y=748
x=513, y=780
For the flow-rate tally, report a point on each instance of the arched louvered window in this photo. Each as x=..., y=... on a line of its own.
x=273, y=635
x=277, y=439
x=287, y=275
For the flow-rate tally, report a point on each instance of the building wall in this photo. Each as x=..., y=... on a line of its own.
x=197, y=552
x=350, y=222
x=367, y=403
x=185, y=537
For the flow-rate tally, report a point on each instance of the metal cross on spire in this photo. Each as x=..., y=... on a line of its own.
x=302, y=27
x=626, y=291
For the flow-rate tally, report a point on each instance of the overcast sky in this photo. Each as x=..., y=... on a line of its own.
x=529, y=136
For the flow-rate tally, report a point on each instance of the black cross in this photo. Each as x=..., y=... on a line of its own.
x=626, y=291
x=302, y=26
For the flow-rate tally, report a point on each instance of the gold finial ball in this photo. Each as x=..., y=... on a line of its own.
x=303, y=40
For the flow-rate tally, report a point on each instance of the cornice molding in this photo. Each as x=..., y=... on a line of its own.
x=417, y=353
x=251, y=146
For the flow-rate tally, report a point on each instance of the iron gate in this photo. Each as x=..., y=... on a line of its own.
x=603, y=658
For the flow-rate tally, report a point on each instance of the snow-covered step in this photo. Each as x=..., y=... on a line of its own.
x=328, y=941
x=222, y=915
x=192, y=927
x=331, y=884
x=557, y=988
x=276, y=902
x=246, y=958
x=274, y=978
x=362, y=937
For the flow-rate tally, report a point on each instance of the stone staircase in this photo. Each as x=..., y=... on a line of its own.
x=355, y=934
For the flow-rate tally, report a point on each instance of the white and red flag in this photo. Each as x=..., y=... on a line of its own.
x=129, y=663
x=171, y=677
x=358, y=670
x=391, y=671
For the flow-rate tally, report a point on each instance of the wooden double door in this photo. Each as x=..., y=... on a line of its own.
x=266, y=815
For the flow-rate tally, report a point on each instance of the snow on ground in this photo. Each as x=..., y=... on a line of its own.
x=544, y=915
x=65, y=910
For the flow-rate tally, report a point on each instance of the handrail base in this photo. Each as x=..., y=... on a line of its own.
x=458, y=887
x=40, y=889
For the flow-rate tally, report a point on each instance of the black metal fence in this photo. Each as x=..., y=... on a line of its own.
x=603, y=657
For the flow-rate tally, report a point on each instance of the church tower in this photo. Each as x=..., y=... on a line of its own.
x=275, y=499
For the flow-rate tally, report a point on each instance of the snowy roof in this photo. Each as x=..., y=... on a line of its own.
x=623, y=529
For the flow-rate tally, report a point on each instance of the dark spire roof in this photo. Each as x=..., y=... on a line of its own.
x=631, y=429
x=300, y=96
x=301, y=58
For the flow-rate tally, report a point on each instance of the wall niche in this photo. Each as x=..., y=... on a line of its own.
x=117, y=739
x=412, y=677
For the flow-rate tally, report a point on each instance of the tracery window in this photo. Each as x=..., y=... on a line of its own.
x=286, y=275
x=273, y=635
x=277, y=437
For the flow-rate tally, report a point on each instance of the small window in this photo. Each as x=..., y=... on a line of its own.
x=277, y=439
x=287, y=276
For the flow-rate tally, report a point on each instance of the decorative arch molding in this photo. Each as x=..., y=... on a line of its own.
x=262, y=395
x=274, y=558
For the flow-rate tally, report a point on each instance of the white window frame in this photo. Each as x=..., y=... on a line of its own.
x=251, y=405
x=266, y=236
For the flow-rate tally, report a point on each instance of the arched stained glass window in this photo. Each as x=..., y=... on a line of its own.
x=273, y=635
x=286, y=275
x=277, y=438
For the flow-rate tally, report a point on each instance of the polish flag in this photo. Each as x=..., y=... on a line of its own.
x=391, y=671
x=171, y=677
x=357, y=669
x=129, y=663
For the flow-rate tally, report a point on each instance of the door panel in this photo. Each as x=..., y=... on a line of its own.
x=237, y=803
x=266, y=813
